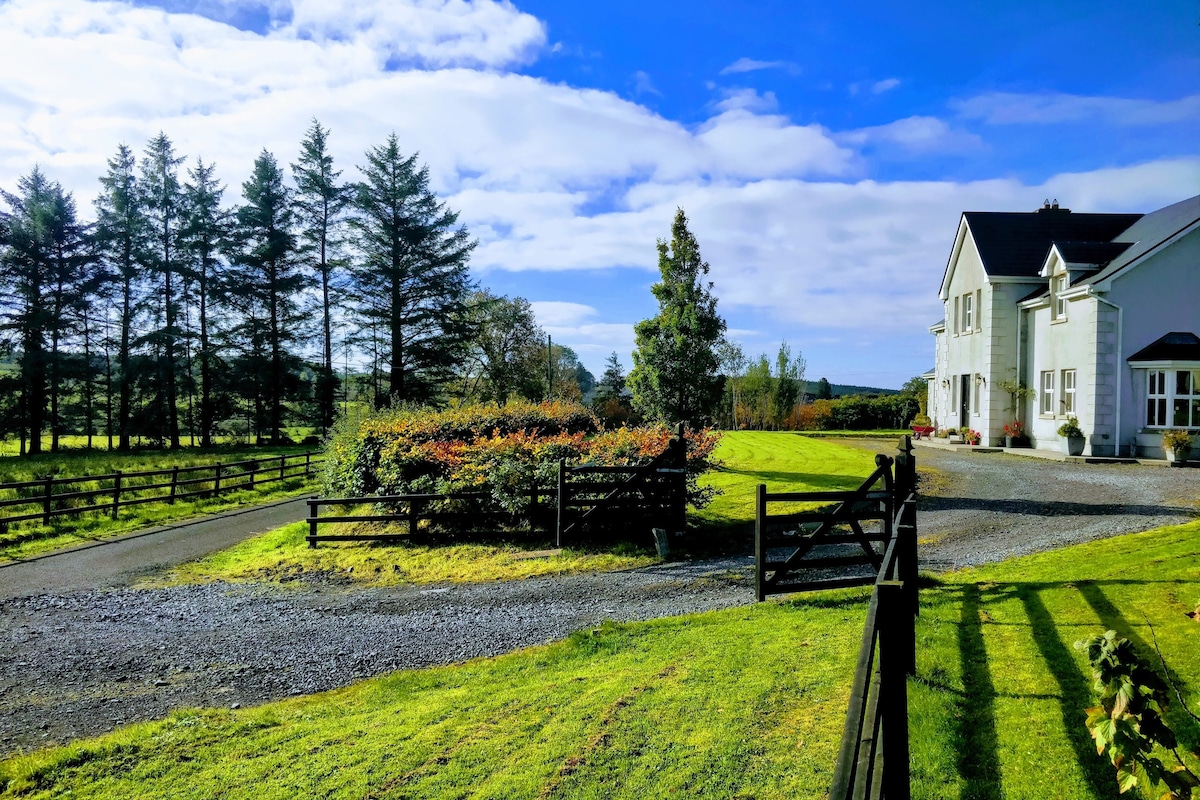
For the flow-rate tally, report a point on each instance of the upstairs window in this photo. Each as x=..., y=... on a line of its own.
x=968, y=307
x=1060, y=303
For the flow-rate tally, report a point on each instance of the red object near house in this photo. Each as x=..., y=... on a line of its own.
x=925, y=430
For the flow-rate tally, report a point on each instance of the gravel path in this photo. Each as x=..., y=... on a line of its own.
x=79, y=662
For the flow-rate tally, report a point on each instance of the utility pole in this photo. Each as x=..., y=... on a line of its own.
x=549, y=367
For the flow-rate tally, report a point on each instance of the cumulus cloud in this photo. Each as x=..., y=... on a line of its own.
x=1012, y=108
x=549, y=177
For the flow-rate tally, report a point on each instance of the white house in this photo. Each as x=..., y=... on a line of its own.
x=1097, y=314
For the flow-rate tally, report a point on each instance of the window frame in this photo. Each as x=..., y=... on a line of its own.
x=1164, y=398
x=968, y=317
x=1059, y=303
x=1068, y=402
x=1046, y=408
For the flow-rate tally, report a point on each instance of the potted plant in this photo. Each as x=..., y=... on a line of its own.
x=1177, y=445
x=1014, y=434
x=1071, y=431
x=922, y=425
x=972, y=437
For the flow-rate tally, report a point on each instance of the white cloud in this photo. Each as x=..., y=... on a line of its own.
x=913, y=135
x=642, y=84
x=549, y=177
x=752, y=65
x=1011, y=108
x=885, y=85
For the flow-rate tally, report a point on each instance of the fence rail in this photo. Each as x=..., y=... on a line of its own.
x=873, y=758
x=139, y=487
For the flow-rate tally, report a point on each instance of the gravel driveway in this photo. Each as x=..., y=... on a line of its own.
x=76, y=663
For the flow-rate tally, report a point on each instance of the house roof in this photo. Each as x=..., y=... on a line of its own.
x=1075, y=252
x=1015, y=244
x=1153, y=230
x=1175, y=346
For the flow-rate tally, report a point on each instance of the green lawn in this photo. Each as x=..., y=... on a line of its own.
x=741, y=703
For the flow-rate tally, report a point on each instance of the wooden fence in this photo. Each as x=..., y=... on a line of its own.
x=873, y=756
x=474, y=508
x=653, y=494
x=120, y=489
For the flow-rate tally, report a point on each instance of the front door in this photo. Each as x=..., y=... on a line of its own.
x=964, y=401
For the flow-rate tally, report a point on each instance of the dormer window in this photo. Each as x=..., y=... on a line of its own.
x=1057, y=288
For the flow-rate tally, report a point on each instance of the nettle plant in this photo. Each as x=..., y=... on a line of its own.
x=1128, y=724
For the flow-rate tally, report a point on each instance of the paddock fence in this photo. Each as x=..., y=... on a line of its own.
x=49, y=498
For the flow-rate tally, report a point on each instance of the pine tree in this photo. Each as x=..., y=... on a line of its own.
x=267, y=275
x=121, y=238
x=320, y=203
x=205, y=233
x=612, y=382
x=162, y=202
x=675, y=375
x=411, y=276
x=26, y=278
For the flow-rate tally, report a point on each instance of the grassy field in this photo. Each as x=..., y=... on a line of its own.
x=11, y=446
x=784, y=461
x=31, y=538
x=742, y=703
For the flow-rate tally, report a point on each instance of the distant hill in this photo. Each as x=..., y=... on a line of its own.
x=845, y=390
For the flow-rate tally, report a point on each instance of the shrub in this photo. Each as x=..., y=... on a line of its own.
x=505, y=451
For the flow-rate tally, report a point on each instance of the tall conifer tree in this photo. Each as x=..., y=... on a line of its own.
x=675, y=376
x=411, y=275
x=320, y=203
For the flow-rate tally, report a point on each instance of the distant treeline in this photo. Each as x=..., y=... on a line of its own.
x=175, y=314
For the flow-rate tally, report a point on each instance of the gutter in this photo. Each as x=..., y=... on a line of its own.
x=1120, y=350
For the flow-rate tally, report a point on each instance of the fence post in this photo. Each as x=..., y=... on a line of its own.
x=412, y=517
x=895, y=642
x=312, y=522
x=760, y=550
x=217, y=481
x=282, y=461
x=47, y=499
x=906, y=485
x=116, y=493
x=174, y=484
x=562, y=498
x=307, y=464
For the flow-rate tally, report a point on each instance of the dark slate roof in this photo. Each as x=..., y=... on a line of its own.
x=1175, y=346
x=1090, y=252
x=1016, y=243
x=1041, y=291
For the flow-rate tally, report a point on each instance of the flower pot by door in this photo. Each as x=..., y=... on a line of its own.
x=1075, y=445
x=1178, y=456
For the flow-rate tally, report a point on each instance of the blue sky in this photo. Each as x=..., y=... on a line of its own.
x=823, y=151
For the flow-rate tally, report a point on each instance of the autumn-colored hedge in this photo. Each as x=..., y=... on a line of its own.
x=504, y=450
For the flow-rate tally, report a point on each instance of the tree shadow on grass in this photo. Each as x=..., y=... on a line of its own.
x=1075, y=693
x=812, y=481
x=978, y=756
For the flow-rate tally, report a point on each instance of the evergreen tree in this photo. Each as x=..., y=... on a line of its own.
x=121, y=239
x=26, y=280
x=824, y=390
x=162, y=203
x=612, y=382
x=204, y=235
x=320, y=203
x=411, y=276
x=267, y=277
x=675, y=366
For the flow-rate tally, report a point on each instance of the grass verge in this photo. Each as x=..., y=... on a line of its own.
x=741, y=703
x=283, y=556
